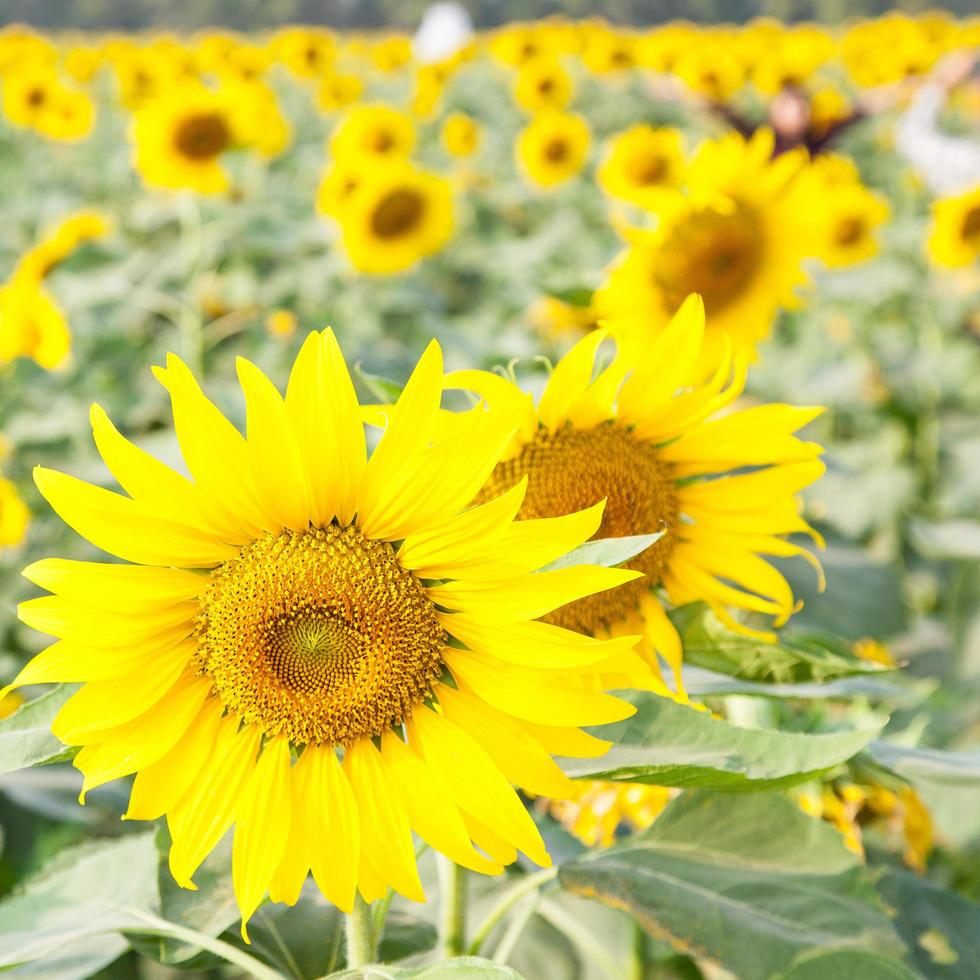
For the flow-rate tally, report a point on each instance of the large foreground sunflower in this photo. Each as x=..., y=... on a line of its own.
x=639, y=435
x=954, y=238
x=295, y=601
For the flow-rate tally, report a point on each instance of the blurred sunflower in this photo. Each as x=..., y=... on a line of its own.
x=338, y=90
x=373, y=133
x=60, y=242
x=28, y=95
x=337, y=187
x=460, y=134
x=394, y=217
x=293, y=598
x=543, y=84
x=644, y=438
x=954, y=238
x=553, y=147
x=640, y=162
x=598, y=811
x=14, y=518
x=735, y=238
x=32, y=325
x=180, y=139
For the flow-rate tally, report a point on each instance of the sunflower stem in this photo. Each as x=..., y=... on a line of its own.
x=638, y=960
x=525, y=886
x=454, y=883
x=359, y=932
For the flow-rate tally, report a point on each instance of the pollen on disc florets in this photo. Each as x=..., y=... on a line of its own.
x=320, y=636
x=572, y=469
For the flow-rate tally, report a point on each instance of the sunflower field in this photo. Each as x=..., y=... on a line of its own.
x=491, y=505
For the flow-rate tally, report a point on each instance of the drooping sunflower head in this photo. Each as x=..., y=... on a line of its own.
x=553, y=147
x=374, y=132
x=394, y=217
x=644, y=434
x=326, y=648
x=642, y=161
x=954, y=239
x=180, y=139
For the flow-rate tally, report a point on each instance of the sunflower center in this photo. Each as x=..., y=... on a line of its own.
x=649, y=169
x=555, y=150
x=971, y=224
x=36, y=97
x=572, y=469
x=716, y=255
x=849, y=232
x=382, y=141
x=398, y=213
x=320, y=636
x=203, y=136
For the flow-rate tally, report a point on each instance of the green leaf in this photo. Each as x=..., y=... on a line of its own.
x=751, y=883
x=928, y=765
x=957, y=539
x=795, y=659
x=843, y=963
x=461, y=968
x=669, y=744
x=706, y=683
x=579, y=296
x=25, y=737
x=607, y=552
x=863, y=596
x=85, y=891
x=942, y=929
x=387, y=392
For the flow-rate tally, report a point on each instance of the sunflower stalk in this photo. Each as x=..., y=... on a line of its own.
x=454, y=881
x=359, y=933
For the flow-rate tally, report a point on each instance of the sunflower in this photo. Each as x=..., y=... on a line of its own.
x=377, y=132
x=553, y=147
x=28, y=94
x=735, y=238
x=599, y=810
x=640, y=162
x=60, y=242
x=460, y=134
x=14, y=516
x=181, y=137
x=294, y=601
x=395, y=216
x=32, y=325
x=642, y=437
x=337, y=187
x=845, y=222
x=543, y=84
x=338, y=90
x=954, y=238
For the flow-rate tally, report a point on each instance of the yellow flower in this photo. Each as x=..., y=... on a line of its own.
x=337, y=187
x=32, y=325
x=306, y=52
x=597, y=810
x=606, y=51
x=711, y=69
x=518, y=44
x=292, y=599
x=954, y=238
x=640, y=162
x=734, y=239
x=391, y=52
x=460, y=134
x=543, y=84
x=180, y=140
x=14, y=519
x=846, y=225
x=553, y=147
x=281, y=324
x=873, y=650
x=82, y=63
x=553, y=318
x=59, y=243
x=394, y=217
x=376, y=132
x=256, y=118
x=28, y=95
x=338, y=90
x=644, y=438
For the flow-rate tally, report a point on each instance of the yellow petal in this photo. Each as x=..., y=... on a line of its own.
x=386, y=837
x=207, y=809
x=262, y=820
x=518, y=756
x=565, y=741
x=323, y=408
x=529, y=596
x=474, y=781
x=533, y=694
x=569, y=380
x=159, y=787
x=274, y=452
x=125, y=528
x=431, y=810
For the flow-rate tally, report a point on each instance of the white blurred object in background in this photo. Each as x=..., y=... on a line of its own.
x=445, y=28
